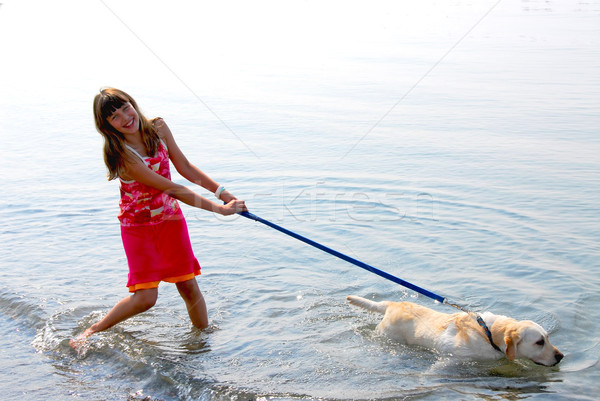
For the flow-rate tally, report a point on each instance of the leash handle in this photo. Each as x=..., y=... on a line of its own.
x=347, y=258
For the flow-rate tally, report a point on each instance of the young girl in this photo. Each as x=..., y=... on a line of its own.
x=153, y=229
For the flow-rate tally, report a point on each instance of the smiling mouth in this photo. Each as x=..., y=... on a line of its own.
x=129, y=124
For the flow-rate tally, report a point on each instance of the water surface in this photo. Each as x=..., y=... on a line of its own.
x=453, y=145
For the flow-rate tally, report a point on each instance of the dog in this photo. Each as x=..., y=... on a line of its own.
x=460, y=334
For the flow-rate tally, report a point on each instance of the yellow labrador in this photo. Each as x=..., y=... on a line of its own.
x=459, y=333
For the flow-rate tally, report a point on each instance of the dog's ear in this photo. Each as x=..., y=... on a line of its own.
x=511, y=340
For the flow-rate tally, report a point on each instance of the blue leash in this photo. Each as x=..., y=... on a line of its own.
x=347, y=258
x=372, y=269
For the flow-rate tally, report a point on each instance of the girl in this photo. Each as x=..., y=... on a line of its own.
x=153, y=229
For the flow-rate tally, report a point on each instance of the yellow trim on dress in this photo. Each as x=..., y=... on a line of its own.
x=154, y=284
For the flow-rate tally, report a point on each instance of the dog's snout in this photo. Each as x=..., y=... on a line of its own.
x=559, y=356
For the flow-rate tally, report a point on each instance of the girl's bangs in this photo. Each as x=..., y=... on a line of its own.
x=110, y=102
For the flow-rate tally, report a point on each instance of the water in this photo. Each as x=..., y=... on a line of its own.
x=452, y=144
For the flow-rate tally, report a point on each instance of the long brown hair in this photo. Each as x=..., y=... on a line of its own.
x=115, y=152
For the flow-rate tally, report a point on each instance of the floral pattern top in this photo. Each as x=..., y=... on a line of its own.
x=144, y=205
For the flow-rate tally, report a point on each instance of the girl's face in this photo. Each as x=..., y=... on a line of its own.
x=125, y=119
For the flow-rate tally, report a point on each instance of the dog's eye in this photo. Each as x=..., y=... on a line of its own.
x=541, y=342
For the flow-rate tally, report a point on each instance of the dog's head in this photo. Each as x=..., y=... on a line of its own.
x=526, y=339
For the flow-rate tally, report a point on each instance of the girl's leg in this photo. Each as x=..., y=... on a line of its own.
x=194, y=301
x=139, y=301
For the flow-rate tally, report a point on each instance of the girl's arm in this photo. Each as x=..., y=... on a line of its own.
x=185, y=168
x=138, y=171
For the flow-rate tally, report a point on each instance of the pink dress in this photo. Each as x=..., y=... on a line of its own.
x=154, y=232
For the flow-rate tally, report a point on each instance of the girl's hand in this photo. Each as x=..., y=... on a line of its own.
x=226, y=197
x=233, y=207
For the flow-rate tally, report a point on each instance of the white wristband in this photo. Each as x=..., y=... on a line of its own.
x=219, y=191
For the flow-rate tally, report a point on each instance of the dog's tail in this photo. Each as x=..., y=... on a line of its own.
x=372, y=306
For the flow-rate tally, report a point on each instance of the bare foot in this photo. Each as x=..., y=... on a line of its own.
x=81, y=340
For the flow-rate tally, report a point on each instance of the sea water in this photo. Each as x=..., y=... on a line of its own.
x=452, y=144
